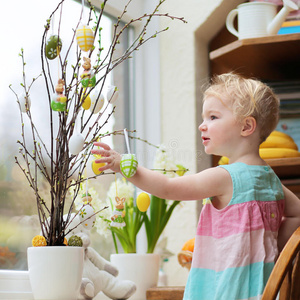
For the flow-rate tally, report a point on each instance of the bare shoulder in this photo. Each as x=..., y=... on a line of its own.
x=215, y=181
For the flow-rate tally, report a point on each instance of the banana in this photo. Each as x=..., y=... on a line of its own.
x=223, y=160
x=277, y=141
x=269, y=153
x=282, y=134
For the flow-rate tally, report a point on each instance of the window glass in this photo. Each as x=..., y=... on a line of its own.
x=24, y=29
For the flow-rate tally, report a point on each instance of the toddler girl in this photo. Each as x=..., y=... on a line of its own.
x=247, y=212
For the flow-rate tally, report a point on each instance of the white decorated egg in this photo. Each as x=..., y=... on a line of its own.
x=128, y=165
x=87, y=216
x=112, y=94
x=97, y=101
x=85, y=38
x=76, y=143
x=25, y=102
x=53, y=47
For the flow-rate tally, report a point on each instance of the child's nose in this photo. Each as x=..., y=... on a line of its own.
x=202, y=127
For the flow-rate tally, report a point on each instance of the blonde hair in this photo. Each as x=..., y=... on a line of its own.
x=248, y=97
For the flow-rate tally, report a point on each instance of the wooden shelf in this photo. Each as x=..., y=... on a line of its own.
x=285, y=168
x=271, y=58
x=165, y=293
x=284, y=162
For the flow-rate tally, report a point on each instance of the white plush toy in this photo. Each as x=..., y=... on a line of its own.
x=98, y=273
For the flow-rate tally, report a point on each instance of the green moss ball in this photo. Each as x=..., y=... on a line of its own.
x=75, y=240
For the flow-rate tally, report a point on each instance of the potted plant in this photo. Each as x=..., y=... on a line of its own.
x=154, y=213
x=76, y=102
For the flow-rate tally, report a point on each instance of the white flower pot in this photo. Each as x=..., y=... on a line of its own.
x=55, y=273
x=140, y=268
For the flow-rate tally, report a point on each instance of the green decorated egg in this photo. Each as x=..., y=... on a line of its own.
x=53, y=47
x=128, y=165
x=85, y=38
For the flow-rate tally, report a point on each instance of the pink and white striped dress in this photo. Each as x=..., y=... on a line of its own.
x=236, y=247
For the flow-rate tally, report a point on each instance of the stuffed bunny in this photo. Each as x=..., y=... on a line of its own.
x=98, y=273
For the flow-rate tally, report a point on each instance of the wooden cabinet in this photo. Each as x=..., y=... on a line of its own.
x=271, y=59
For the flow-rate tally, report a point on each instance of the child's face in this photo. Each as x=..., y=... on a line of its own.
x=220, y=129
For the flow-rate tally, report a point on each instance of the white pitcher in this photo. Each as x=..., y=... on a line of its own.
x=257, y=19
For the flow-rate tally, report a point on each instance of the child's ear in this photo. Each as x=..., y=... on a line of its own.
x=248, y=126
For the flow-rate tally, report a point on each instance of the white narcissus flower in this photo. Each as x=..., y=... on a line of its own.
x=164, y=161
x=121, y=188
x=100, y=224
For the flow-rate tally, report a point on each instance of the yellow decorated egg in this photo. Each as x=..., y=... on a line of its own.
x=86, y=104
x=85, y=38
x=53, y=47
x=128, y=165
x=143, y=201
x=96, y=166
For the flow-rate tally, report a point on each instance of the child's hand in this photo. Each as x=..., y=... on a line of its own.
x=109, y=156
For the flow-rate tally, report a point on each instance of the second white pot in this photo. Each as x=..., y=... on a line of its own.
x=140, y=268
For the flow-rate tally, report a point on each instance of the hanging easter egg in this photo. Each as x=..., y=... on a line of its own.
x=86, y=101
x=87, y=216
x=85, y=38
x=97, y=101
x=128, y=165
x=143, y=201
x=25, y=102
x=57, y=104
x=112, y=94
x=76, y=143
x=96, y=166
x=53, y=47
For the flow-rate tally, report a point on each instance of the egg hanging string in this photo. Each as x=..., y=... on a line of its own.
x=82, y=10
x=116, y=185
x=87, y=181
x=127, y=141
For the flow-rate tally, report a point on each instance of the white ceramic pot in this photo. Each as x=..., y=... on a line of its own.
x=140, y=268
x=55, y=273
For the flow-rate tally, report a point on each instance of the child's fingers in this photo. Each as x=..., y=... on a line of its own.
x=103, y=160
x=103, y=145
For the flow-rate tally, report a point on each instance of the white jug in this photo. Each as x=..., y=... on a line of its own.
x=257, y=19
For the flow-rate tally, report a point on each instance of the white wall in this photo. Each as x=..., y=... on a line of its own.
x=184, y=67
x=170, y=71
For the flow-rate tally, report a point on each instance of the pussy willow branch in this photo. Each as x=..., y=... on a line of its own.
x=64, y=166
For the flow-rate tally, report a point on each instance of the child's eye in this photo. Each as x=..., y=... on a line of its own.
x=213, y=117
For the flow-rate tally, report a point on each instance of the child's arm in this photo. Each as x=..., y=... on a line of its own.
x=291, y=220
x=208, y=183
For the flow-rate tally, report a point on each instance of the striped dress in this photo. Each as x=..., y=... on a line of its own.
x=235, y=247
